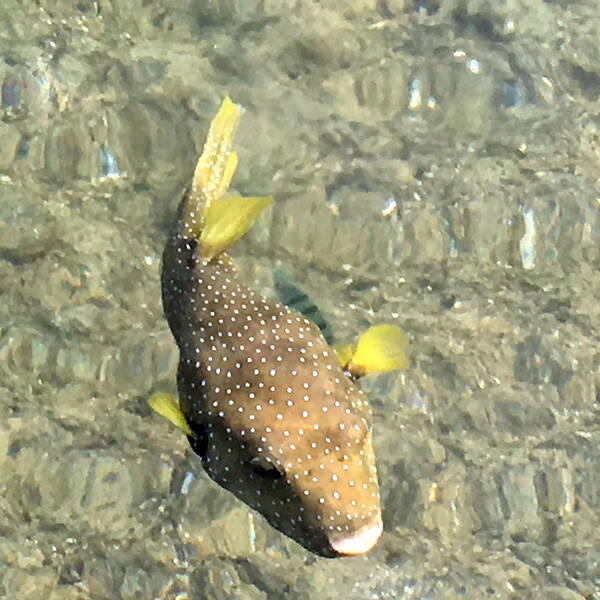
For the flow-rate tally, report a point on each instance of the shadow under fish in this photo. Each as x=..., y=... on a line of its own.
x=269, y=406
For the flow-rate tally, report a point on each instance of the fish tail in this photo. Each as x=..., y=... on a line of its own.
x=217, y=221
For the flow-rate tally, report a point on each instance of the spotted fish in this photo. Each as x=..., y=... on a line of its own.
x=264, y=400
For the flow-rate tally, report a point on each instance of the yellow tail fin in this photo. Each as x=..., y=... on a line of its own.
x=381, y=348
x=168, y=407
x=218, y=221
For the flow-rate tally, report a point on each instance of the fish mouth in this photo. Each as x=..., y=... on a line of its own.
x=358, y=542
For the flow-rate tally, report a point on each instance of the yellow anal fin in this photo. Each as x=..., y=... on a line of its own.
x=214, y=169
x=381, y=348
x=167, y=406
x=227, y=220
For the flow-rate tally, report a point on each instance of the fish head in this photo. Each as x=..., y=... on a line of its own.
x=300, y=452
x=327, y=458
x=237, y=466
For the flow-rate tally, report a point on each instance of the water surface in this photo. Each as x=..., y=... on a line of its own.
x=434, y=165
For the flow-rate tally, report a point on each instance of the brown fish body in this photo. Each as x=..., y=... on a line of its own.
x=275, y=419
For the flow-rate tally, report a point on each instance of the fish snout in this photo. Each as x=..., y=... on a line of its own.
x=359, y=541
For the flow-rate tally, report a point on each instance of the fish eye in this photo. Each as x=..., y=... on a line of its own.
x=199, y=441
x=264, y=468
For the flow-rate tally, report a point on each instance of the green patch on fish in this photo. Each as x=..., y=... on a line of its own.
x=290, y=294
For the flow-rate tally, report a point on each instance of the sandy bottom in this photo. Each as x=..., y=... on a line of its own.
x=434, y=165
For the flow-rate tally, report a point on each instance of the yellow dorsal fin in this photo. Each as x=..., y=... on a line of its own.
x=214, y=169
x=167, y=406
x=227, y=220
x=381, y=348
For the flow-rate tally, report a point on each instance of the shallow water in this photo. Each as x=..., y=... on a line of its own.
x=434, y=165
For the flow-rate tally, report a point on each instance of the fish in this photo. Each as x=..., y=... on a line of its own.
x=271, y=409
x=291, y=295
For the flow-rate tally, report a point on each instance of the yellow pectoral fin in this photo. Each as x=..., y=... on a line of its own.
x=344, y=353
x=227, y=220
x=168, y=407
x=380, y=348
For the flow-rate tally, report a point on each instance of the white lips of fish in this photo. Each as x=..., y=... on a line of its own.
x=360, y=542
